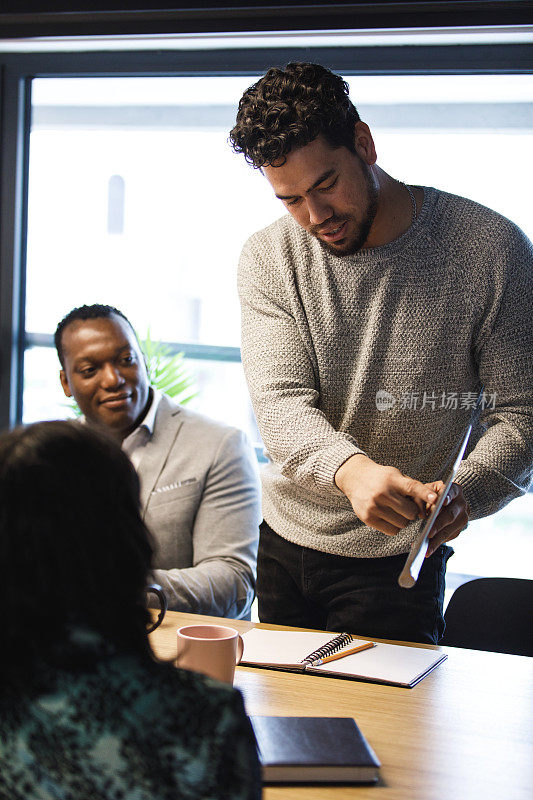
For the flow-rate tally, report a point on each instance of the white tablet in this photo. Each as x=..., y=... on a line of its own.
x=417, y=553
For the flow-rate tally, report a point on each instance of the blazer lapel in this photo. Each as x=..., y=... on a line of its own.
x=156, y=451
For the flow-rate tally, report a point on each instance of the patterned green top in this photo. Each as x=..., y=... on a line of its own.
x=127, y=729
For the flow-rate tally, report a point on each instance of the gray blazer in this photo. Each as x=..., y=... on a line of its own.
x=200, y=498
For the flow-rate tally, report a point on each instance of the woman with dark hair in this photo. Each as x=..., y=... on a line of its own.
x=85, y=709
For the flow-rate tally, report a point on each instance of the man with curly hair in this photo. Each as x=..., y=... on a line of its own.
x=372, y=315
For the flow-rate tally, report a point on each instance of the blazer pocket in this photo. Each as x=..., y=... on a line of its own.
x=171, y=493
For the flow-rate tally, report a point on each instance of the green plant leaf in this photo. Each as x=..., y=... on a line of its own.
x=168, y=372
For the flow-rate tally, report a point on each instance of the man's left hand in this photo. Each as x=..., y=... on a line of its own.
x=452, y=518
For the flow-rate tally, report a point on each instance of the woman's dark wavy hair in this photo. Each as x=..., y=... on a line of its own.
x=73, y=547
x=289, y=108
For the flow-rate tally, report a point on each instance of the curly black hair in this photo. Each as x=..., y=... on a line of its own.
x=288, y=108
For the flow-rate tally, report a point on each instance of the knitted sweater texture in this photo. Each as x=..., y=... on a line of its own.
x=383, y=352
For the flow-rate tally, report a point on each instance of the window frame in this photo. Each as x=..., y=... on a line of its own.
x=17, y=70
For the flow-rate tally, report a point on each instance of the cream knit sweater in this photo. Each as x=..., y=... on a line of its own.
x=426, y=319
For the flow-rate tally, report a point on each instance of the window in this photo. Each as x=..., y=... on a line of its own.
x=135, y=198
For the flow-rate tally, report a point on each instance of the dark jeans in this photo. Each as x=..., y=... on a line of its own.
x=309, y=589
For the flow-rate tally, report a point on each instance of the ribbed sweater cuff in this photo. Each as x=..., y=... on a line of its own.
x=331, y=459
x=477, y=491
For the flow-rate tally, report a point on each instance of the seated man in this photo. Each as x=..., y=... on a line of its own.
x=199, y=487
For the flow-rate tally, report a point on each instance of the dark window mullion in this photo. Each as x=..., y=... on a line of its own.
x=448, y=59
x=15, y=137
x=200, y=352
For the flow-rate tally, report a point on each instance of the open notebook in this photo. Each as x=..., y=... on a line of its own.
x=302, y=650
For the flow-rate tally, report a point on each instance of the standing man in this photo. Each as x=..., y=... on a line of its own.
x=199, y=487
x=372, y=315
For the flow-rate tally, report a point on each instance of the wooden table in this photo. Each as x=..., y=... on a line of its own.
x=465, y=731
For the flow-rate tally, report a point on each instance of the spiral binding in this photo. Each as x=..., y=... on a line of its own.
x=333, y=646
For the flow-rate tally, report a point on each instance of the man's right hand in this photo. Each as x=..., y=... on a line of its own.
x=382, y=497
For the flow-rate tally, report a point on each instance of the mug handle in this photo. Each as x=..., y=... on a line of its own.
x=240, y=649
x=155, y=588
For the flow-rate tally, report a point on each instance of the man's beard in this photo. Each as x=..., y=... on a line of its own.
x=362, y=228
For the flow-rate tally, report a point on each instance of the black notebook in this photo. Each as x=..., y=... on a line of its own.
x=314, y=750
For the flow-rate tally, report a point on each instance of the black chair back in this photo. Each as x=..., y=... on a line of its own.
x=493, y=614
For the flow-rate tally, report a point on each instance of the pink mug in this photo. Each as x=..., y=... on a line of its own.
x=213, y=650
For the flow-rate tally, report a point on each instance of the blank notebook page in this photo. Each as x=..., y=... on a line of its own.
x=389, y=663
x=281, y=647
